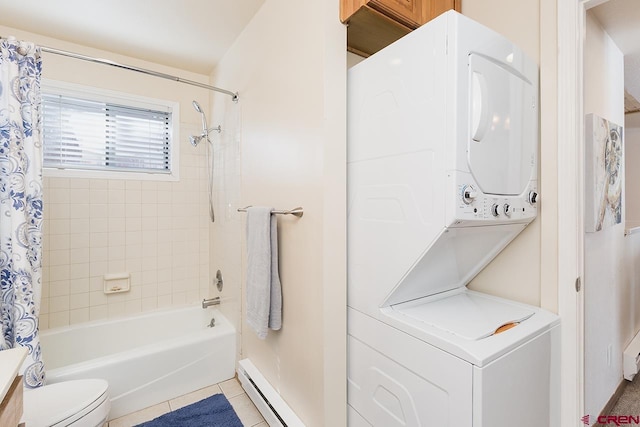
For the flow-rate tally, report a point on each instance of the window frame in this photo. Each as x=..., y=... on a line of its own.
x=90, y=93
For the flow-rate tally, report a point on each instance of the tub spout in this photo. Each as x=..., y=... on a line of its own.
x=211, y=301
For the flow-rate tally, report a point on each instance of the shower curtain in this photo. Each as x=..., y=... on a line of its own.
x=21, y=203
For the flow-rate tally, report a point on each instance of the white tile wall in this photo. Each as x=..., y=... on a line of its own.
x=154, y=230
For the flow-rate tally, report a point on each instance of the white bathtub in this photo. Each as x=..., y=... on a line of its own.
x=147, y=359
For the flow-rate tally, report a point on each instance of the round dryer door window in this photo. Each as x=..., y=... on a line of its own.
x=503, y=127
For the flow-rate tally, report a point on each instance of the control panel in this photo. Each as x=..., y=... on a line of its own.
x=471, y=206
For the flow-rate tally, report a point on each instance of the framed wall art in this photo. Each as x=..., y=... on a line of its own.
x=604, y=173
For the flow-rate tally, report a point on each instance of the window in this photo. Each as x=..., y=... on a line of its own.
x=90, y=132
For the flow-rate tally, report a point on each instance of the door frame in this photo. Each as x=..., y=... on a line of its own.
x=570, y=208
x=571, y=37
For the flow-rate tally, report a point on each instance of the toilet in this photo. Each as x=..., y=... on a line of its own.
x=78, y=403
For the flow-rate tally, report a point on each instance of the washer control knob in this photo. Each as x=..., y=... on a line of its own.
x=494, y=210
x=469, y=194
x=533, y=197
x=507, y=209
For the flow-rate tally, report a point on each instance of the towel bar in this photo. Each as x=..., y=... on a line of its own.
x=295, y=211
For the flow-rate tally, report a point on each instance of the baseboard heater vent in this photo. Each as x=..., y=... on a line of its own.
x=274, y=410
x=631, y=358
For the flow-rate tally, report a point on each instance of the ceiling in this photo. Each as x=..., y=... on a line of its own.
x=195, y=34
x=621, y=20
x=188, y=34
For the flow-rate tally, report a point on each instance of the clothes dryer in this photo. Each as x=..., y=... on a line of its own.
x=442, y=176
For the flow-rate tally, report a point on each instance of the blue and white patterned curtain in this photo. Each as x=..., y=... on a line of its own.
x=21, y=203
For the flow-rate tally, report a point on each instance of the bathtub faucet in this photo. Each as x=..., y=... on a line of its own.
x=211, y=301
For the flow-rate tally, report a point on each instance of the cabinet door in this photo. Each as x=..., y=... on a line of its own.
x=408, y=12
x=413, y=13
x=433, y=8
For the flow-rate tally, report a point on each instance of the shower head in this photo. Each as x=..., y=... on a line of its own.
x=195, y=140
x=197, y=107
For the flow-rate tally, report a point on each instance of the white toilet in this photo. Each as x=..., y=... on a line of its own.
x=78, y=403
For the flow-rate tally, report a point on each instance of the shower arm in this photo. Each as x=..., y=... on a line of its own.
x=208, y=131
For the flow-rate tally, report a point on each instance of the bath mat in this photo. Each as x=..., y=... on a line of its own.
x=214, y=411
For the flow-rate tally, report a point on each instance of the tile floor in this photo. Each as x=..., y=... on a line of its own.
x=232, y=390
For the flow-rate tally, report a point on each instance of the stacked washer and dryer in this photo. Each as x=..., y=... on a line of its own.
x=442, y=172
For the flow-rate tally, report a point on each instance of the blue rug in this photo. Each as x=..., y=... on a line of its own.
x=214, y=411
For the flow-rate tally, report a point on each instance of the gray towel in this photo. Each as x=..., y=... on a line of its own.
x=264, y=294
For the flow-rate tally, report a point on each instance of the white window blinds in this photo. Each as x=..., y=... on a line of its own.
x=94, y=135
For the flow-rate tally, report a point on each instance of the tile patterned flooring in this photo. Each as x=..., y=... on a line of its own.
x=232, y=390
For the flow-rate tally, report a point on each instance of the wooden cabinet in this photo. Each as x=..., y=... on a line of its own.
x=11, y=406
x=407, y=12
x=11, y=386
x=375, y=24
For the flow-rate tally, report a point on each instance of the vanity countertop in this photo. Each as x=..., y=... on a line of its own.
x=10, y=362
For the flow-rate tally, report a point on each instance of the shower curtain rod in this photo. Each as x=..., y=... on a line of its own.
x=233, y=95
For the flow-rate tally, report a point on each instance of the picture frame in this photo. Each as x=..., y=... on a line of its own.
x=604, y=173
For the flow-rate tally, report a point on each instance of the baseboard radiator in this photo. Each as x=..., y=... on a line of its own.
x=274, y=410
x=631, y=358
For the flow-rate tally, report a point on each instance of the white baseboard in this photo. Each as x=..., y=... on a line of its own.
x=273, y=408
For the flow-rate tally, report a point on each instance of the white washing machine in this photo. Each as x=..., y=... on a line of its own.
x=442, y=175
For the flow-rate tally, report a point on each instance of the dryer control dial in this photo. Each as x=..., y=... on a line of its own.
x=533, y=197
x=494, y=209
x=507, y=209
x=469, y=194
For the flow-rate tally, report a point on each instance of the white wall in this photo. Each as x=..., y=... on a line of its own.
x=632, y=172
x=289, y=68
x=608, y=315
x=632, y=255
x=632, y=213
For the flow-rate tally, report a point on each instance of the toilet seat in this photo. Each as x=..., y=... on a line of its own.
x=81, y=403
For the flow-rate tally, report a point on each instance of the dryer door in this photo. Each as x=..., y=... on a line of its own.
x=503, y=129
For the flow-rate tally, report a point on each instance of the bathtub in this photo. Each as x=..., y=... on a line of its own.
x=147, y=359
